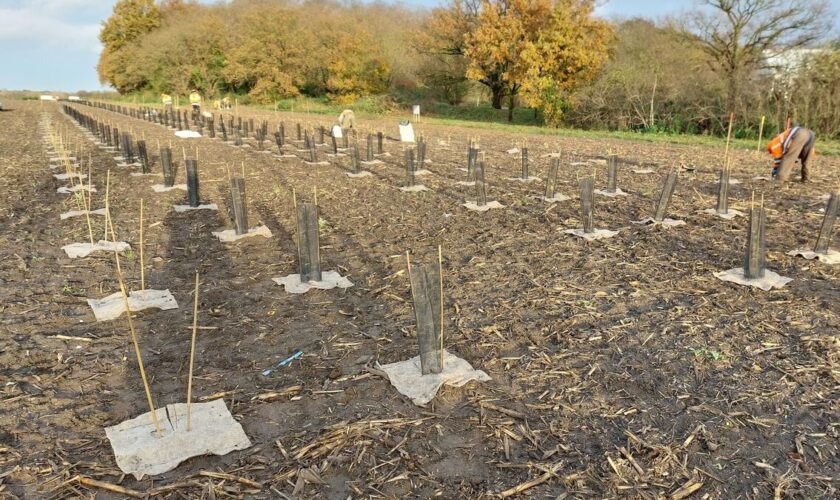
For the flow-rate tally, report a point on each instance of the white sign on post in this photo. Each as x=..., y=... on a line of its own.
x=415, y=110
x=336, y=132
x=406, y=131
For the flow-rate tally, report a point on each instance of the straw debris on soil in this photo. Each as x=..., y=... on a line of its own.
x=620, y=367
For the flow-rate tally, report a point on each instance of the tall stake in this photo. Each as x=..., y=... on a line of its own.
x=107, y=203
x=192, y=353
x=299, y=244
x=142, y=267
x=440, y=269
x=88, y=203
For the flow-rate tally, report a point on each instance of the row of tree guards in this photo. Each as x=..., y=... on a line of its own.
x=240, y=128
x=260, y=133
x=426, y=279
x=64, y=155
x=426, y=282
x=310, y=265
x=112, y=138
x=475, y=173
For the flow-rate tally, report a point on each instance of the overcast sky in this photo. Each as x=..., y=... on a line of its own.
x=53, y=45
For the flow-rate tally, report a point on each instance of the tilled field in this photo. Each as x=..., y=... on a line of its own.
x=620, y=368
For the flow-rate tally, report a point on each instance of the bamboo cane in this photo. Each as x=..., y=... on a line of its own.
x=131, y=328
x=318, y=222
x=294, y=211
x=107, y=202
x=142, y=267
x=440, y=268
x=88, y=204
x=192, y=353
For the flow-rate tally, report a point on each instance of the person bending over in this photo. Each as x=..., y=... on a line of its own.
x=793, y=144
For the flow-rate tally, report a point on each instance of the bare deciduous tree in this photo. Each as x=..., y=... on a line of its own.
x=737, y=34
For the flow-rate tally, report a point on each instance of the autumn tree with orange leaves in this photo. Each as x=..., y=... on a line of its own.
x=543, y=49
x=131, y=20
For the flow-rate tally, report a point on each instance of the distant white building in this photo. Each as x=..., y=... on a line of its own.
x=47, y=97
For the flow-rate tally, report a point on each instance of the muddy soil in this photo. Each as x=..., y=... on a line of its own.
x=620, y=368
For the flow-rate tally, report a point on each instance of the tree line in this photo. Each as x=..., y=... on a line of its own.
x=754, y=58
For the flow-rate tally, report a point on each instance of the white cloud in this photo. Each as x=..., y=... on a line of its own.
x=51, y=23
x=62, y=5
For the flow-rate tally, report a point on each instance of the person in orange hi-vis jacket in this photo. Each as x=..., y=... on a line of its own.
x=793, y=144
